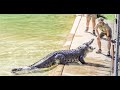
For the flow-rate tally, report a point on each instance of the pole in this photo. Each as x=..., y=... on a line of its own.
x=117, y=47
x=113, y=45
x=112, y=67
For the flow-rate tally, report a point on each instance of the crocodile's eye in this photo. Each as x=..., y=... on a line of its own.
x=90, y=47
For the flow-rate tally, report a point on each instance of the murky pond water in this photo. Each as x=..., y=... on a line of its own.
x=25, y=38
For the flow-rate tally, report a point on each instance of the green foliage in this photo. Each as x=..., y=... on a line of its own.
x=107, y=16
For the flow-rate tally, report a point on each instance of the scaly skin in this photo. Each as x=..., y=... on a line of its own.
x=61, y=57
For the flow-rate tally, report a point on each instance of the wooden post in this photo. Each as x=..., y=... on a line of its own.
x=112, y=60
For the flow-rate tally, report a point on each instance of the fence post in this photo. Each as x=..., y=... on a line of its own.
x=117, y=47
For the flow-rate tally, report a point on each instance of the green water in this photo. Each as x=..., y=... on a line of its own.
x=25, y=38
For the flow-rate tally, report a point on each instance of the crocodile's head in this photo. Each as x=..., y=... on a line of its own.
x=89, y=43
x=89, y=48
x=86, y=47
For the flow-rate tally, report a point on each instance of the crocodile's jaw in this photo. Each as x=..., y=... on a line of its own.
x=88, y=50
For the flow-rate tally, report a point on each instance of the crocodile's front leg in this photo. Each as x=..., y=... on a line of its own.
x=81, y=59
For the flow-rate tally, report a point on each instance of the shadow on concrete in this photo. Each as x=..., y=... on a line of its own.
x=106, y=55
x=89, y=64
x=92, y=34
x=96, y=65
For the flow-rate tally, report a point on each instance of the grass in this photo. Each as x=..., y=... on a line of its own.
x=25, y=38
x=109, y=16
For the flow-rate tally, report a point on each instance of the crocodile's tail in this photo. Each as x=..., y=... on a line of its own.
x=16, y=69
x=43, y=63
x=21, y=69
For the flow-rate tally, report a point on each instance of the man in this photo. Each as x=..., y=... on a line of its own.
x=105, y=31
x=88, y=18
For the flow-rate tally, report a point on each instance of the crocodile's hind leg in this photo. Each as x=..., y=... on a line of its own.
x=60, y=59
x=49, y=68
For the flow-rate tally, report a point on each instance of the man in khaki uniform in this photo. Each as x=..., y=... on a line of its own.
x=88, y=18
x=105, y=31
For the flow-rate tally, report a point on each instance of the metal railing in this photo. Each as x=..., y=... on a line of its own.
x=116, y=37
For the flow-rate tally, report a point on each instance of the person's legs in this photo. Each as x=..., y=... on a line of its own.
x=93, y=23
x=109, y=45
x=99, y=44
x=88, y=17
x=109, y=41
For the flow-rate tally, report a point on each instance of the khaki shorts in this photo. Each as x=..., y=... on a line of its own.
x=102, y=34
x=105, y=34
x=94, y=16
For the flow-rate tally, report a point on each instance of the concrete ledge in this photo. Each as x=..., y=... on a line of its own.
x=59, y=69
x=98, y=64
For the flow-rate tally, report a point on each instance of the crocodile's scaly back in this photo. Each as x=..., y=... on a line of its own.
x=61, y=57
x=42, y=63
x=45, y=62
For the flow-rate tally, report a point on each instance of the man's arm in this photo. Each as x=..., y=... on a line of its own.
x=107, y=30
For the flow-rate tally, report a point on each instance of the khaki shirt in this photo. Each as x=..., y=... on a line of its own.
x=103, y=28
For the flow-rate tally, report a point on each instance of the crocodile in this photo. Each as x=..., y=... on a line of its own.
x=61, y=57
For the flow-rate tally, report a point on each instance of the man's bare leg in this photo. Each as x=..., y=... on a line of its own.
x=109, y=45
x=99, y=44
x=93, y=24
x=87, y=22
